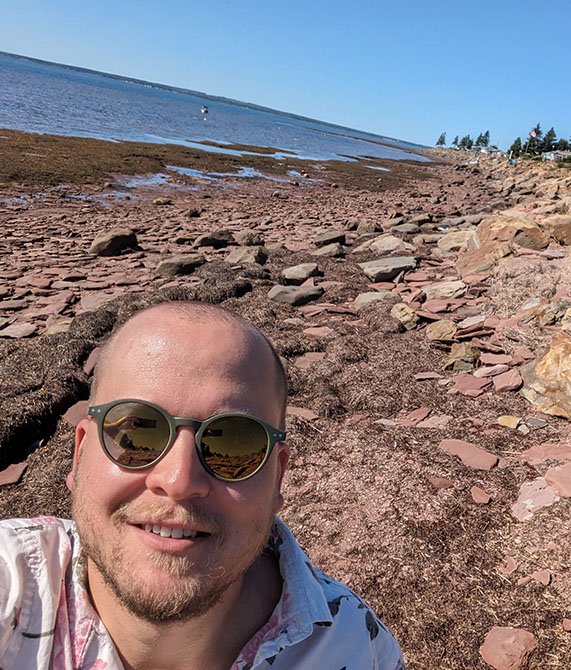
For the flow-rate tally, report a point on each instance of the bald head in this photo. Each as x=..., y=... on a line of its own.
x=202, y=334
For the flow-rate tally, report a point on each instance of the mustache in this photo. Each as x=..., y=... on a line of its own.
x=186, y=515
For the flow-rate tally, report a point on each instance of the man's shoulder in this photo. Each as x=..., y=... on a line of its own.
x=34, y=537
x=325, y=618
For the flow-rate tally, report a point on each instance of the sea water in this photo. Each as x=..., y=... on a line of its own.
x=41, y=97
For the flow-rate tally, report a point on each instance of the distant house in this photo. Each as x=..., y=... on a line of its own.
x=491, y=151
x=556, y=155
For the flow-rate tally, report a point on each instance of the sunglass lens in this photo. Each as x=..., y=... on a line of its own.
x=234, y=447
x=135, y=434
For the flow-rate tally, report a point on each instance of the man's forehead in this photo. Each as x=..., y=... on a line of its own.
x=163, y=335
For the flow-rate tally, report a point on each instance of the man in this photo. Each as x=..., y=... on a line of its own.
x=175, y=558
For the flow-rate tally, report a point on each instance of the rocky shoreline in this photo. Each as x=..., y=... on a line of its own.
x=424, y=314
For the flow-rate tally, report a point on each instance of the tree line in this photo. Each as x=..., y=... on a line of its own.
x=536, y=143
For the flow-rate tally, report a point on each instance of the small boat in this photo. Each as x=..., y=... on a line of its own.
x=204, y=110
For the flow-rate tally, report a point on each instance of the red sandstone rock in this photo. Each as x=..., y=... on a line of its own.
x=507, y=648
x=542, y=577
x=303, y=413
x=414, y=417
x=508, y=381
x=318, y=331
x=533, y=496
x=19, y=330
x=545, y=452
x=509, y=566
x=440, y=482
x=560, y=478
x=469, y=454
x=480, y=496
x=76, y=413
x=12, y=474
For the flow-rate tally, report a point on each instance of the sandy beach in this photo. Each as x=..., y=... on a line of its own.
x=390, y=366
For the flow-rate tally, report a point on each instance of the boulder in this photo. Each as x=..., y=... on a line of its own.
x=295, y=295
x=463, y=357
x=366, y=298
x=518, y=229
x=366, y=226
x=444, y=329
x=297, y=274
x=547, y=380
x=506, y=648
x=327, y=237
x=446, y=289
x=559, y=226
x=483, y=259
x=249, y=238
x=113, y=242
x=387, y=244
x=387, y=268
x=180, y=264
x=455, y=240
x=241, y=255
x=217, y=239
x=405, y=314
x=407, y=228
x=333, y=250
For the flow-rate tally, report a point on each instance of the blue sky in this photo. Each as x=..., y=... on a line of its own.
x=409, y=69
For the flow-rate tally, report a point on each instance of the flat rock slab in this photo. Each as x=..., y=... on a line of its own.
x=471, y=455
x=506, y=648
x=387, y=268
x=76, y=413
x=302, y=413
x=560, y=478
x=445, y=289
x=508, y=381
x=546, y=452
x=12, y=474
x=533, y=495
x=295, y=295
x=19, y=330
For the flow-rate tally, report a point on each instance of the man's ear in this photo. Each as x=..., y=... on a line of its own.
x=80, y=435
x=283, y=458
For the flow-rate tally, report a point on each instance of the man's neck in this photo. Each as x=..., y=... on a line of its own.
x=213, y=640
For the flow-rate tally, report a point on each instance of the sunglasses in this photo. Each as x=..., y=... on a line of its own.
x=135, y=434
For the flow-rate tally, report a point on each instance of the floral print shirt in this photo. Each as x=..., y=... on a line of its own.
x=47, y=620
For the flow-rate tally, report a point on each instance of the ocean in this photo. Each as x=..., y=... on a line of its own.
x=41, y=97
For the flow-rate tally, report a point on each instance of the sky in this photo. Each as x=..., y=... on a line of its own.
x=408, y=69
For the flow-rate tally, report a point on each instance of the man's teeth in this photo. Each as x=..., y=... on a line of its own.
x=165, y=531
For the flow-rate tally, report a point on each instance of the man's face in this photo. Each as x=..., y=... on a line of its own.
x=194, y=370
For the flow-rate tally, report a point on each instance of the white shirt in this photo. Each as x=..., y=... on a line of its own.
x=47, y=620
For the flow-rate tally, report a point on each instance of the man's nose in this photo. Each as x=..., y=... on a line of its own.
x=180, y=474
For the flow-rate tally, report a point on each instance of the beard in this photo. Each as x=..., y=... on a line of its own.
x=194, y=590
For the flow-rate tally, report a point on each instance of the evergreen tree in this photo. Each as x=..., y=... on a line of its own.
x=515, y=148
x=486, y=139
x=466, y=142
x=455, y=142
x=441, y=141
x=479, y=141
x=563, y=145
x=534, y=142
x=549, y=139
